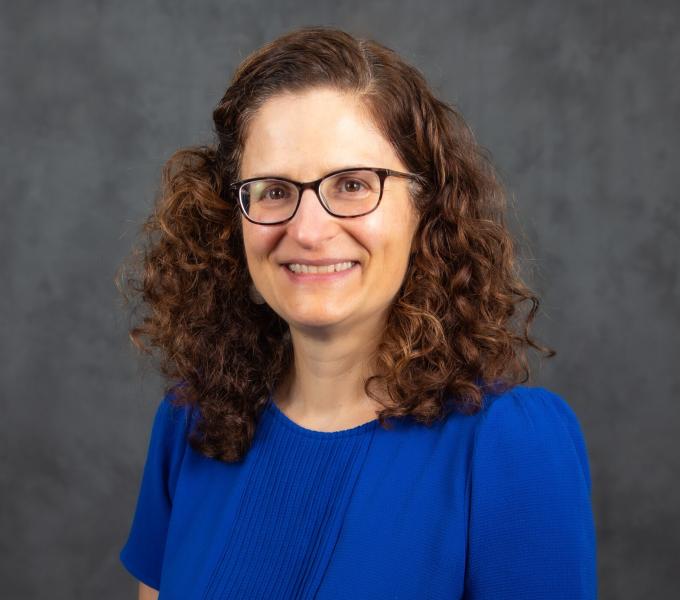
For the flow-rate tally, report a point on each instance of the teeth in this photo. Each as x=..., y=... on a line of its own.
x=297, y=268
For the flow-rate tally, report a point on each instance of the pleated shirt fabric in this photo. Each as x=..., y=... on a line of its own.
x=492, y=505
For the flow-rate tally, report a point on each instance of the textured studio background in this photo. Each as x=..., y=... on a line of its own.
x=579, y=104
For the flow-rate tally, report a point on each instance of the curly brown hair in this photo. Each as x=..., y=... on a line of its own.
x=450, y=335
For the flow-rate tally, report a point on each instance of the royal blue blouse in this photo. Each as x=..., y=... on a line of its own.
x=492, y=505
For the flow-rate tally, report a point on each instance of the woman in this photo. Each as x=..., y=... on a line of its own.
x=331, y=287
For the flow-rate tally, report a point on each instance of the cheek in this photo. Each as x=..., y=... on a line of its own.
x=258, y=241
x=389, y=235
x=388, y=244
x=257, y=246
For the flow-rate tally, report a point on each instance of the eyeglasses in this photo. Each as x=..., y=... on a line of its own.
x=345, y=193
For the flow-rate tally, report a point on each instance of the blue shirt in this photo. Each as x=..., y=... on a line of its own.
x=492, y=505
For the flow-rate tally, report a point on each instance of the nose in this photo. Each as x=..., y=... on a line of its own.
x=311, y=223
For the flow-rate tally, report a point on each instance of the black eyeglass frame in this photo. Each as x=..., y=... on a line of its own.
x=235, y=189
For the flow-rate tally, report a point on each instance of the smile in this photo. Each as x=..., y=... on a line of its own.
x=300, y=268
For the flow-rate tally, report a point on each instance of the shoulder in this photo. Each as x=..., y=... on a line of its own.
x=173, y=417
x=527, y=404
x=169, y=438
x=531, y=427
x=531, y=530
x=525, y=407
x=143, y=551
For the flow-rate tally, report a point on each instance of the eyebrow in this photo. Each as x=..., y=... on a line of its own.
x=269, y=174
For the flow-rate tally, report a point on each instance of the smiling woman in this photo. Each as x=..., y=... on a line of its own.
x=332, y=287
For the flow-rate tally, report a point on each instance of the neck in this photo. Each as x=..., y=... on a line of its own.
x=326, y=383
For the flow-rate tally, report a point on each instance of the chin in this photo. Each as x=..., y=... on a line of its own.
x=313, y=318
x=310, y=321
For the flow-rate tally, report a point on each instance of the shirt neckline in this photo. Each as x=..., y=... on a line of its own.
x=282, y=418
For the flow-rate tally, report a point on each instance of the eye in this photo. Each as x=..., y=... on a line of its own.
x=351, y=185
x=275, y=193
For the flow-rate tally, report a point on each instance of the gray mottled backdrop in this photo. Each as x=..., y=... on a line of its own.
x=579, y=104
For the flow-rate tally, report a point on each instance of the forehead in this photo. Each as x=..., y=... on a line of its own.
x=305, y=135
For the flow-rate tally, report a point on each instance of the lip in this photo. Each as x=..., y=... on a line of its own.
x=320, y=262
x=313, y=277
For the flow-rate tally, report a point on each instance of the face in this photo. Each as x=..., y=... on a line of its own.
x=304, y=137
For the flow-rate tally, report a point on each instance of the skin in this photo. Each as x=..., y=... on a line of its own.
x=335, y=326
x=145, y=592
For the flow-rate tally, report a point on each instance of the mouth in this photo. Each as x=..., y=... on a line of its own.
x=302, y=272
x=301, y=268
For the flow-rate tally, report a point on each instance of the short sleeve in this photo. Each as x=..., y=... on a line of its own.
x=142, y=554
x=531, y=531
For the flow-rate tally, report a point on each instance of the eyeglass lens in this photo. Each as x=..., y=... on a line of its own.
x=346, y=194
